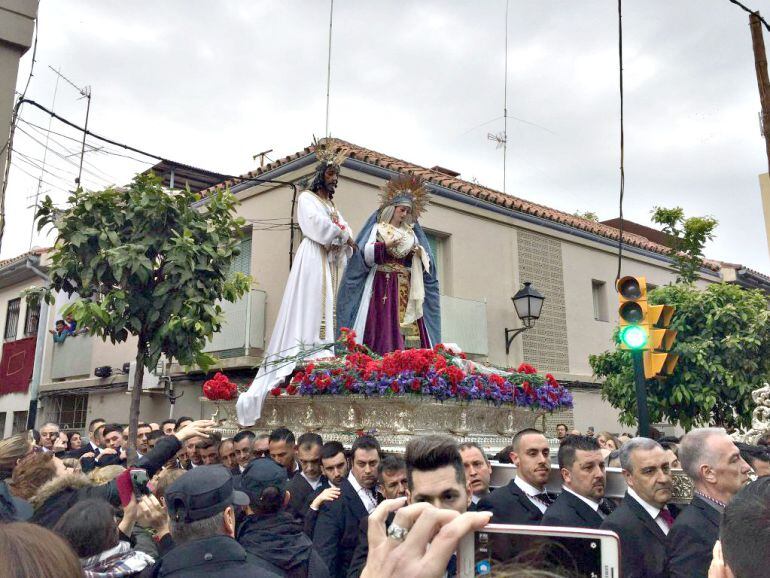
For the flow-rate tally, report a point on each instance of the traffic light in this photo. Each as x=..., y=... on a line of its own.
x=659, y=361
x=632, y=294
x=644, y=327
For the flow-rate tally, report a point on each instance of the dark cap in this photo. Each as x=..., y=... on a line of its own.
x=13, y=509
x=262, y=474
x=201, y=493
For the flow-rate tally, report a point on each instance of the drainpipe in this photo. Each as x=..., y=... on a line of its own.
x=37, y=370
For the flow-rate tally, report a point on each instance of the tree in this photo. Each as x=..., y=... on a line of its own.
x=688, y=236
x=148, y=263
x=723, y=342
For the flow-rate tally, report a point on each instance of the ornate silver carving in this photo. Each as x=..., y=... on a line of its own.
x=760, y=417
x=396, y=420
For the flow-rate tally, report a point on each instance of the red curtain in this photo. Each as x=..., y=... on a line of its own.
x=16, y=365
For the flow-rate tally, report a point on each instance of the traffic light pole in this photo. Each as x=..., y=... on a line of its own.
x=641, y=393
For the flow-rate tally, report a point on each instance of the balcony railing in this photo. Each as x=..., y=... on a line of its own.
x=72, y=357
x=244, y=325
x=464, y=322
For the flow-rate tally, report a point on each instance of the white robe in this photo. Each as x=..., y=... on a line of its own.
x=305, y=299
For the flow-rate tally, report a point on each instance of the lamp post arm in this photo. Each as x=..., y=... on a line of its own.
x=510, y=335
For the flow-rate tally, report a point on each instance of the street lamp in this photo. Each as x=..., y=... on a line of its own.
x=528, y=303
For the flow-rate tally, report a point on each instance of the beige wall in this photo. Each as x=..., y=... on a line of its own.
x=479, y=260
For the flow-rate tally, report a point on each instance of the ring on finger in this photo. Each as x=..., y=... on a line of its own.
x=397, y=532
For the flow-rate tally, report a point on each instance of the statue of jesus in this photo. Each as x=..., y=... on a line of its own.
x=306, y=317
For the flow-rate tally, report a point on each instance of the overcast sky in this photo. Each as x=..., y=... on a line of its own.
x=212, y=83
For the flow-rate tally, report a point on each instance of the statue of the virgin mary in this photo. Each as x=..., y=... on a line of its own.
x=389, y=293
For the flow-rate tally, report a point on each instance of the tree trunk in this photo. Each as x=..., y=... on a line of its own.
x=136, y=394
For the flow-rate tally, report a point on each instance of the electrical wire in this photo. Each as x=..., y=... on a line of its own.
x=750, y=11
x=43, y=133
x=222, y=176
x=622, y=138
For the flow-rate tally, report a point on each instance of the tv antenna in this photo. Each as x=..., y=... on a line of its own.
x=85, y=92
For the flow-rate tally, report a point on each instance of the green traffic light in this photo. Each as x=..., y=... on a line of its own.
x=633, y=337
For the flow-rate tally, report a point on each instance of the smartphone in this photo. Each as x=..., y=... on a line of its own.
x=139, y=481
x=500, y=549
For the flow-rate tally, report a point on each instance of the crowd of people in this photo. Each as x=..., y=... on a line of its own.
x=275, y=505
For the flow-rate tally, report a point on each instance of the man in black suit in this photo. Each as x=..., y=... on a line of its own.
x=478, y=472
x=642, y=520
x=336, y=530
x=95, y=427
x=714, y=464
x=581, y=503
x=392, y=484
x=283, y=449
x=111, y=454
x=524, y=500
x=310, y=478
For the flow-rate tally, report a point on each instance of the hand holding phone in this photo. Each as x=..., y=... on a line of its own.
x=425, y=551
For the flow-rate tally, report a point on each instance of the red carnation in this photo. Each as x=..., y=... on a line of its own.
x=276, y=391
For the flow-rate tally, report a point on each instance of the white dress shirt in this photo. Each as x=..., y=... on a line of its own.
x=313, y=483
x=531, y=491
x=366, y=497
x=653, y=511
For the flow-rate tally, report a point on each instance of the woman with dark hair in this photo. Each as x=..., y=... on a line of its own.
x=31, y=551
x=74, y=441
x=101, y=543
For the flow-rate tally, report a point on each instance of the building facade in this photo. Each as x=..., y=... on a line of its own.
x=486, y=244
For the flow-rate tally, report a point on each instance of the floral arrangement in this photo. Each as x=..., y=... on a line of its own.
x=436, y=373
x=220, y=388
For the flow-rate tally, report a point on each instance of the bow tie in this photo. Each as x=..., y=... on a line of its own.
x=545, y=497
x=606, y=507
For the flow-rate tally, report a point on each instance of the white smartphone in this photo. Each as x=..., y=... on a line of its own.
x=500, y=549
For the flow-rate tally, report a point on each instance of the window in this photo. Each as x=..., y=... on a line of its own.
x=12, y=319
x=437, y=244
x=242, y=263
x=599, y=291
x=19, y=422
x=69, y=411
x=31, y=320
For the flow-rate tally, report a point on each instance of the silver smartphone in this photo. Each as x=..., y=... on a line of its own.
x=502, y=549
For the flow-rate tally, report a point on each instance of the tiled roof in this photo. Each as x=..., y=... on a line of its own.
x=472, y=190
x=37, y=251
x=738, y=267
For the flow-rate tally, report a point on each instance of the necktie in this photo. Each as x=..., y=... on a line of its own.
x=667, y=517
x=605, y=507
x=546, y=498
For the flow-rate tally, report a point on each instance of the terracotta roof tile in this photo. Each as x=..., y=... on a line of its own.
x=480, y=192
x=36, y=251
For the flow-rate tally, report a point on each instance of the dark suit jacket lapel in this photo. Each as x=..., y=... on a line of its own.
x=646, y=519
x=353, y=500
x=710, y=513
x=519, y=494
x=583, y=510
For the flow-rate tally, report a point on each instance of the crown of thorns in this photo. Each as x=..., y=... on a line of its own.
x=327, y=154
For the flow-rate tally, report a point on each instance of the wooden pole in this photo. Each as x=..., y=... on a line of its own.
x=760, y=62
